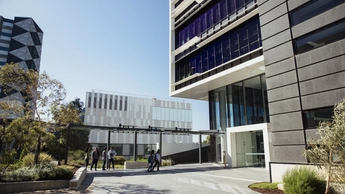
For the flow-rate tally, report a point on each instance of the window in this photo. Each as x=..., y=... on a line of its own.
x=105, y=102
x=321, y=37
x=115, y=103
x=89, y=102
x=94, y=102
x=5, y=34
x=100, y=102
x=121, y=102
x=313, y=117
x=3, y=48
x=311, y=9
x=111, y=103
x=126, y=100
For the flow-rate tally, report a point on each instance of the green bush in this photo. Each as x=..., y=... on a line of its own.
x=168, y=162
x=303, y=180
x=120, y=160
x=38, y=172
x=76, y=155
x=43, y=158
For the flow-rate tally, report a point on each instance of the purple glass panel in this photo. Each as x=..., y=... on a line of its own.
x=223, y=9
x=231, y=6
x=216, y=13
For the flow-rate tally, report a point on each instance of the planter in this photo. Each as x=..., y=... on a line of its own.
x=16, y=187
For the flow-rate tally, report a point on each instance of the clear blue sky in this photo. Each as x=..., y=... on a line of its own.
x=112, y=45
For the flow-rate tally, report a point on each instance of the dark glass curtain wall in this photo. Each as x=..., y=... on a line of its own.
x=242, y=103
x=235, y=43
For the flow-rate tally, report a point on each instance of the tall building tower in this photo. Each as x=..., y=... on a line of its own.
x=270, y=70
x=20, y=42
x=216, y=55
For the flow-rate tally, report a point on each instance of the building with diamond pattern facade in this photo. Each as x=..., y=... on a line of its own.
x=20, y=42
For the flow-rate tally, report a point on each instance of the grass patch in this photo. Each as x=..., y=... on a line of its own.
x=264, y=185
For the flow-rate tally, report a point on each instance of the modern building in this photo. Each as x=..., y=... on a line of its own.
x=20, y=42
x=270, y=70
x=103, y=108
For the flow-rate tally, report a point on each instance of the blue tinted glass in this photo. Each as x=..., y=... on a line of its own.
x=204, y=60
x=3, y=48
x=226, y=48
x=216, y=13
x=211, y=56
x=243, y=40
x=223, y=9
x=209, y=18
x=234, y=45
x=231, y=6
x=218, y=50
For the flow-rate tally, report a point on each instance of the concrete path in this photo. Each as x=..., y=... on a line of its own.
x=189, y=178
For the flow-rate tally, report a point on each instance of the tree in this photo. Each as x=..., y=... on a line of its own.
x=30, y=97
x=328, y=151
x=207, y=140
x=78, y=104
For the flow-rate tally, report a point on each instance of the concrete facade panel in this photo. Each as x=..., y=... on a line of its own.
x=319, y=21
x=328, y=82
x=288, y=138
x=293, y=4
x=288, y=121
x=280, y=67
x=283, y=106
x=283, y=93
x=273, y=14
x=311, y=133
x=281, y=52
x=322, y=99
x=323, y=68
x=276, y=40
x=267, y=6
x=282, y=80
x=275, y=27
x=320, y=54
x=288, y=154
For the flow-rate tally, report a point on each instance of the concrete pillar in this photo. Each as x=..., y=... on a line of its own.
x=108, y=147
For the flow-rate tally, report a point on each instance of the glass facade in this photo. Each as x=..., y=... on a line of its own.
x=208, y=17
x=242, y=103
x=239, y=41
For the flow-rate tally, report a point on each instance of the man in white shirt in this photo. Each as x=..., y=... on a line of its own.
x=111, y=157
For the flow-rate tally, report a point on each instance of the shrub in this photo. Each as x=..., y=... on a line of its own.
x=264, y=185
x=43, y=158
x=120, y=160
x=38, y=172
x=76, y=155
x=303, y=180
x=168, y=162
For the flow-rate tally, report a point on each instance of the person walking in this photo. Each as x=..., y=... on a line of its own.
x=111, y=155
x=95, y=156
x=157, y=160
x=87, y=155
x=150, y=161
x=104, y=157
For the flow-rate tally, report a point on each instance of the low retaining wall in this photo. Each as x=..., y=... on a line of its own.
x=16, y=187
x=77, y=178
x=135, y=165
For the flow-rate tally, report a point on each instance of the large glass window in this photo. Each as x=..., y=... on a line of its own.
x=212, y=14
x=237, y=42
x=321, y=37
x=312, y=9
x=239, y=104
x=312, y=118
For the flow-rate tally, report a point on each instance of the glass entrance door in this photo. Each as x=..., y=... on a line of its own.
x=250, y=149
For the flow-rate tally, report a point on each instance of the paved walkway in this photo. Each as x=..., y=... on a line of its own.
x=188, y=178
x=191, y=178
